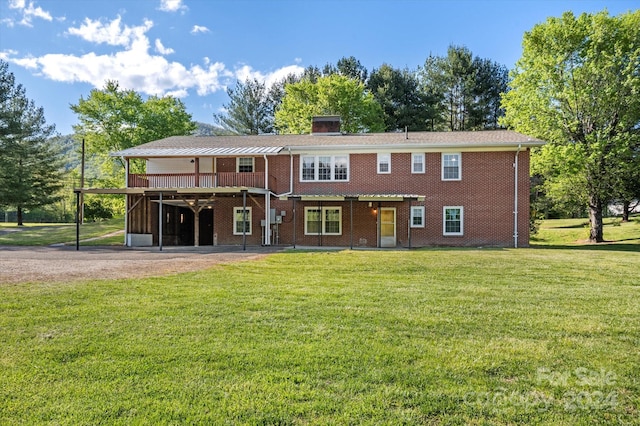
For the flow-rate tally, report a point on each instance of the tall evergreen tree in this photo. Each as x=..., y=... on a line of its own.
x=467, y=89
x=402, y=102
x=249, y=111
x=30, y=166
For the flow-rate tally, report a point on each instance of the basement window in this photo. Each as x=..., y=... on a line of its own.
x=241, y=221
x=323, y=221
x=452, y=223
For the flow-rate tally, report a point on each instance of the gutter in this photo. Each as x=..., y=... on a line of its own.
x=515, y=206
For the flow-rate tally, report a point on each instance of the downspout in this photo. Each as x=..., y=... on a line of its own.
x=515, y=206
x=290, y=191
x=267, y=204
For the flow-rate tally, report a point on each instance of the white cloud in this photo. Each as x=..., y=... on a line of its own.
x=112, y=33
x=171, y=5
x=135, y=65
x=246, y=72
x=28, y=11
x=163, y=50
x=199, y=29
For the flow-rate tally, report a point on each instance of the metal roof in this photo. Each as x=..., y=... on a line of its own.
x=142, y=152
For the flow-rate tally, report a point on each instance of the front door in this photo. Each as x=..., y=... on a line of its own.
x=388, y=227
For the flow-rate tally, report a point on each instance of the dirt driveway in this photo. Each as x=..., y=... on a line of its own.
x=57, y=264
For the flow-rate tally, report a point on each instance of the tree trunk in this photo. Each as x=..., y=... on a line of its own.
x=595, y=218
x=20, y=216
x=625, y=210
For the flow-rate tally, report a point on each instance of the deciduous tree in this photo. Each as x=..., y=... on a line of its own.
x=577, y=85
x=113, y=119
x=330, y=95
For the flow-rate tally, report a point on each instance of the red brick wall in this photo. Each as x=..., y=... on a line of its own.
x=486, y=192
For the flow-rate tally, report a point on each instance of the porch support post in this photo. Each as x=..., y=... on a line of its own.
x=411, y=224
x=267, y=204
x=197, y=172
x=294, y=222
x=351, y=223
x=77, y=220
x=160, y=223
x=196, y=221
x=379, y=226
x=244, y=219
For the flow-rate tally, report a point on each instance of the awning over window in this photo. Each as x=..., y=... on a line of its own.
x=354, y=197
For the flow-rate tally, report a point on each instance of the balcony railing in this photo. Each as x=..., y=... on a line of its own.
x=188, y=180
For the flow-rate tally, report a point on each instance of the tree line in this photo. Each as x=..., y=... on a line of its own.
x=453, y=92
x=576, y=87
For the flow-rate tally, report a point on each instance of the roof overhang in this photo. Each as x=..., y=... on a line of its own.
x=414, y=147
x=197, y=152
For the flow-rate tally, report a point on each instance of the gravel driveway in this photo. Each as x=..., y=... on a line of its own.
x=59, y=264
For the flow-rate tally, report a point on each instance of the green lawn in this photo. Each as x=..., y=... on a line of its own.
x=575, y=232
x=43, y=234
x=545, y=335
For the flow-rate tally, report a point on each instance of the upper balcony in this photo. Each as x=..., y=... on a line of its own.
x=199, y=180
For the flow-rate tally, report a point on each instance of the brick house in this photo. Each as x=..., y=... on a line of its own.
x=331, y=189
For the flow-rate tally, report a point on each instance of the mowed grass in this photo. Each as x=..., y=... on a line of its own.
x=39, y=234
x=440, y=336
x=575, y=232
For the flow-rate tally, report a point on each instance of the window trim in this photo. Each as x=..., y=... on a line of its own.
x=412, y=216
x=424, y=165
x=316, y=167
x=253, y=164
x=237, y=210
x=323, y=222
x=444, y=221
x=459, y=166
x=382, y=156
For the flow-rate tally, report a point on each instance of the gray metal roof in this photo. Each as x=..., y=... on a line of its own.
x=143, y=151
x=189, y=146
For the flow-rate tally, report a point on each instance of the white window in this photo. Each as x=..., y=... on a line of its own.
x=324, y=168
x=452, y=220
x=417, y=163
x=323, y=220
x=241, y=221
x=417, y=216
x=451, y=166
x=245, y=164
x=384, y=163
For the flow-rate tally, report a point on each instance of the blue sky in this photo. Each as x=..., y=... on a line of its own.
x=193, y=49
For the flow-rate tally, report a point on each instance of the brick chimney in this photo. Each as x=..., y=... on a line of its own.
x=325, y=125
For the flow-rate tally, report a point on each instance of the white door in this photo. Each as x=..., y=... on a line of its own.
x=387, y=227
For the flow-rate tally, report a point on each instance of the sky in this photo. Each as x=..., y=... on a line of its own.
x=60, y=50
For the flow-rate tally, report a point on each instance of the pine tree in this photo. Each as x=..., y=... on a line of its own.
x=30, y=166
